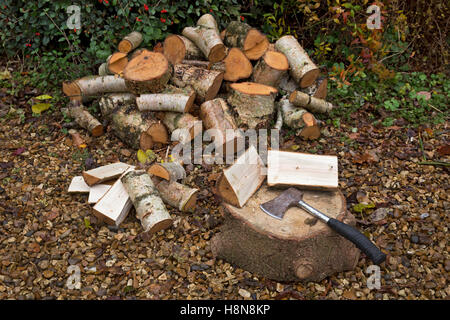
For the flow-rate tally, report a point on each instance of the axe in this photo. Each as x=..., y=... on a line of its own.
x=278, y=206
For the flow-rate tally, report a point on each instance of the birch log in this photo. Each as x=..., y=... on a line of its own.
x=237, y=66
x=252, y=42
x=130, y=42
x=206, y=36
x=206, y=83
x=87, y=88
x=171, y=99
x=177, y=195
x=150, y=209
x=310, y=103
x=111, y=102
x=178, y=48
x=270, y=68
x=302, y=68
x=318, y=89
x=299, y=118
x=170, y=171
x=180, y=125
x=84, y=119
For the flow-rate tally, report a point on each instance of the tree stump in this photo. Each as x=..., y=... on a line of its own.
x=298, y=247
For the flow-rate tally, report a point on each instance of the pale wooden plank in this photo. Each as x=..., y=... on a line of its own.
x=97, y=192
x=103, y=173
x=78, y=185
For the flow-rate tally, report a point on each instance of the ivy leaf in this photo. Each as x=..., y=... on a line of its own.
x=40, y=107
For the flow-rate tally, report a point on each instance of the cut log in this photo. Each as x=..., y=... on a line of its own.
x=216, y=115
x=237, y=66
x=147, y=72
x=298, y=247
x=301, y=169
x=302, y=68
x=88, y=88
x=180, y=125
x=171, y=99
x=310, y=103
x=109, y=103
x=103, y=70
x=176, y=195
x=253, y=102
x=206, y=36
x=115, y=204
x=170, y=171
x=97, y=192
x=117, y=62
x=269, y=70
x=138, y=130
x=240, y=181
x=200, y=64
x=299, y=118
x=104, y=173
x=150, y=209
x=130, y=42
x=178, y=48
x=279, y=123
x=78, y=185
x=84, y=119
x=288, y=84
x=318, y=89
x=252, y=42
x=206, y=83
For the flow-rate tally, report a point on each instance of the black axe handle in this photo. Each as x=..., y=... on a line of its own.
x=360, y=240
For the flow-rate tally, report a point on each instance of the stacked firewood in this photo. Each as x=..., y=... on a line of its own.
x=230, y=79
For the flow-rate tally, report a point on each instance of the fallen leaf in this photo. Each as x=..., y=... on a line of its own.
x=44, y=97
x=379, y=214
x=444, y=150
x=147, y=156
x=5, y=75
x=425, y=94
x=19, y=151
x=360, y=207
x=40, y=107
x=34, y=247
x=349, y=294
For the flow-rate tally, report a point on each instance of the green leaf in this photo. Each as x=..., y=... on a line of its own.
x=44, y=97
x=147, y=156
x=40, y=107
x=360, y=207
x=87, y=223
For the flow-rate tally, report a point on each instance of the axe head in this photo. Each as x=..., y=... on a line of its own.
x=278, y=206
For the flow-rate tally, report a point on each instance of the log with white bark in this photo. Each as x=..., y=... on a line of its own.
x=302, y=68
x=170, y=171
x=200, y=64
x=318, y=89
x=130, y=42
x=279, y=122
x=254, y=103
x=103, y=70
x=237, y=65
x=104, y=173
x=301, y=99
x=300, y=169
x=270, y=68
x=180, y=125
x=300, y=119
x=176, y=195
x=178, y=48
x=90, y=87
x=148, y=72
x=150, y=209
x=171, y=99
x=216, y=115
x=111, y=102
x=206, y=83
x=288, y=84
x=84, y=118
x=206, y=36
x=240, y=181
x=252, y=42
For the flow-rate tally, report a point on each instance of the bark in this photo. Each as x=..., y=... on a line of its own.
x=170, y=171
x=294, y=248
x=252, y=42
x=310, y=103
x=271, y=68
x=84, y=119
x=299, y=118
x=177, y=48
x=180, y=125
x=171, y=99
x=318, y=89
x=302, y=68
x=103, y=70
x=88, y=88
x=109, y=103
x=177, y=195
x=130, y=42
x=150, y=209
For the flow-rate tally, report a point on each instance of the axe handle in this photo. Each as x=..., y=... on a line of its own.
x=348, y=232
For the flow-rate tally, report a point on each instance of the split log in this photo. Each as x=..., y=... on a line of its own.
x=176, y=195
x=216, y=115
x=171, y=99
x=170, y=171
x=180, y=125
x=237, y=66
x=178, y=48
x=104, y=173
x=240, y=181
x=302, y=68
x=298, y=247
x=139, y=130
x=206, y=36
x=148, y=72
x=114, y=101
x=97, y=192
x=115, y=204
x=310, y=103
x=318, y=89
x=271, y=68
x=206, y=83
x=78, y=185
x=88, y=88
x=299, y=118
x=300, y=169
x=150, y=209
x=84, y=119
x=252, y=42
x=254, y=103
x=130, y=42
x=117, y=62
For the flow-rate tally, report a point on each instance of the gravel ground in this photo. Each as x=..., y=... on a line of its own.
x=44, y=230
